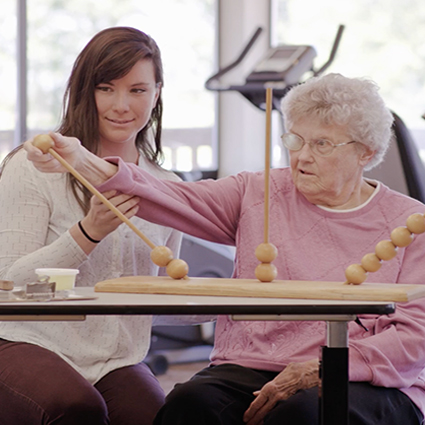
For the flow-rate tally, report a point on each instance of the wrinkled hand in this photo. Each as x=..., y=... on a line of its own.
x=294, y=377
x=69, y=148
x=100, y=220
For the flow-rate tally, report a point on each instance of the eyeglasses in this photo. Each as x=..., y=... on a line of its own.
x=320, y=147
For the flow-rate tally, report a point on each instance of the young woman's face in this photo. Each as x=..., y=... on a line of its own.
x=124, y=106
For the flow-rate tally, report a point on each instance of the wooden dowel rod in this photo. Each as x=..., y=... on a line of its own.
x=106, y=201
x=269, y=97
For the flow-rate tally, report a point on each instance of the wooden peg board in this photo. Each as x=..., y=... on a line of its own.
x=254, y=288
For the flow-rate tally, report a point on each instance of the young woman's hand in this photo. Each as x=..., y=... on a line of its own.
x=100, y=221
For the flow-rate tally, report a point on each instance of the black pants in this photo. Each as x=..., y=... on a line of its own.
x=219, y=395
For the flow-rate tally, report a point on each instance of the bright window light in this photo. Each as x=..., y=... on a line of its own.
x=184, y=160
x=204, y=157
x=168, y=158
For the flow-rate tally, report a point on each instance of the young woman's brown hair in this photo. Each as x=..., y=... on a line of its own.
x=109, y=55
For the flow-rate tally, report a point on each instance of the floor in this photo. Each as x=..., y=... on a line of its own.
x=179, y=373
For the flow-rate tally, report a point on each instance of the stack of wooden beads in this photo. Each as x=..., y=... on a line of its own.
x=266, y=271
x=162, y=256
x=386, y=250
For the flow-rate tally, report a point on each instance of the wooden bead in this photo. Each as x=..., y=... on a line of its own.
x=177, y=269
x=43, y=142
x=385, y=250
x=265, y=272
x=355, y=274
x=416, y=223
x=371, y=263
x=266, y=252
x=401, y=236
x=161, y=255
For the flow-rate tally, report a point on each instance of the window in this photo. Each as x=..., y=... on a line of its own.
x=185, y=32
x=383, y=40
x=7, y=76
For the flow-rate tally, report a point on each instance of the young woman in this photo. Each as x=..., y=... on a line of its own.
x=87, y=372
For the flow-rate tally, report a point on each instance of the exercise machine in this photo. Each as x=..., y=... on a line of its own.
x=281, y=68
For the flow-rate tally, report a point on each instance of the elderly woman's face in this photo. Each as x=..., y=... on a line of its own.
x=334, y=181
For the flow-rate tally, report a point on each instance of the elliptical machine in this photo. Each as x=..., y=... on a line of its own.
x=282, y=67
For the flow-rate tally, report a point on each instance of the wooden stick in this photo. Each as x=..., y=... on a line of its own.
x=266, y=252
x=95, y=192
x=269, y=97
x=160, y=255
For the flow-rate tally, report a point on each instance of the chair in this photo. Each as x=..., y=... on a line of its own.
x=403, y=169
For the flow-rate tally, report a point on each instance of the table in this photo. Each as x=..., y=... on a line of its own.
x=336, y=313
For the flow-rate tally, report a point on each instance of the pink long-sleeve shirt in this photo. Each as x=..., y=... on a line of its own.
x=313, y=244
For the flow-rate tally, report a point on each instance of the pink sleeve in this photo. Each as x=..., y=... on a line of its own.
x=207, y=209
x=394, y=354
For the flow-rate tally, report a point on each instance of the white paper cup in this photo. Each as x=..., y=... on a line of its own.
x=64, y=278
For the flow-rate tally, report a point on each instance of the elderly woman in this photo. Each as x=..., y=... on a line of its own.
x=324, y=215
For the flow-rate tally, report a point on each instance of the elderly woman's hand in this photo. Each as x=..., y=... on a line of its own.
x=296, y=376
x=89, y=165
x=69, y=148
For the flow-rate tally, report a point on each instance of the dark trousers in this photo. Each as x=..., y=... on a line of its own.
x=219, y=395
x=37, y=387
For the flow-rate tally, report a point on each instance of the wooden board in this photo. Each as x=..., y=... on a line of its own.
x=254, y=288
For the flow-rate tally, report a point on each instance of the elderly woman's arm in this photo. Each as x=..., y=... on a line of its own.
x=94, y=169
x=392, y=352
x=206, y=209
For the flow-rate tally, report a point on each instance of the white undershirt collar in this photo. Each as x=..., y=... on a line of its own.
x=374, y=183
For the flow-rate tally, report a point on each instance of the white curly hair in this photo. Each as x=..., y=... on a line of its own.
x=353, y=103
